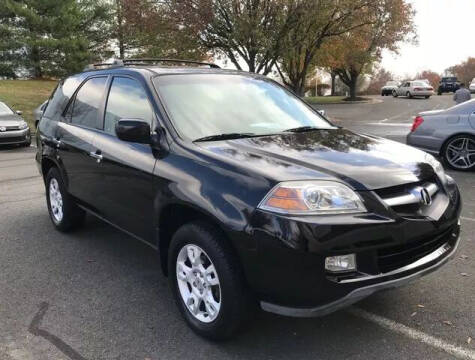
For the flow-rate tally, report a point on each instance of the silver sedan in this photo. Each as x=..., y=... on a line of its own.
x=449, y=133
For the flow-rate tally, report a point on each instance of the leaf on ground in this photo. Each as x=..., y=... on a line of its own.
x=414, y=314
x=420, y=306
x=464, y=257
x=469, y=340
x=464, y=274
x=448, y=323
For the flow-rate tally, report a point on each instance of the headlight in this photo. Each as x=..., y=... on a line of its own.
x=438, y=168
x=312, y=197
x=23, y=125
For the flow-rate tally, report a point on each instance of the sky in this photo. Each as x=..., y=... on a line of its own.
x=446, y=34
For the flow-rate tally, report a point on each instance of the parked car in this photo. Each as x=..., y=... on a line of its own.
x=414, y=88
x=389, y=87
x=255, y=199
x=13, y=129
x=472, y=86
x=38, y=112
x=447, y=133
x=448, y=84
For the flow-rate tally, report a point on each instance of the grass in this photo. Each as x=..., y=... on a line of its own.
x=25, y=95
x=324, y=99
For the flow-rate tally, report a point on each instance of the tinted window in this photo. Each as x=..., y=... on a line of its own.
x=61, y=96
x=87, y=102
x=205, y=105
x=127, y=100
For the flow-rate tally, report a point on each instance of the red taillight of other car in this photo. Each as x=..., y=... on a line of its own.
x=417, y=122
x=418, y=89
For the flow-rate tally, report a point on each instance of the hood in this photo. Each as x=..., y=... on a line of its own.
x=362, y=161
x=432, y=112
x=10, y=120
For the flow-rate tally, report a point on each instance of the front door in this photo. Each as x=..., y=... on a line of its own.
x=125, y=170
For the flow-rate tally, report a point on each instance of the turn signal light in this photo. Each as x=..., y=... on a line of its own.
x=417, y=122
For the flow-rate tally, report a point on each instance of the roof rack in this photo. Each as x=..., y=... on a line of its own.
x=98, y=66
x=158, y=60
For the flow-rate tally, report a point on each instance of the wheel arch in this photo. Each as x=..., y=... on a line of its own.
x=172, y=217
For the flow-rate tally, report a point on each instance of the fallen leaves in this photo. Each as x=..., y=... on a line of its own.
x=469, y=340
x=448, y=323
x=464, y=274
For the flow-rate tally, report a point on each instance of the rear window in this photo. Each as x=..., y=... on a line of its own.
x=449, y=79
x=61, y=96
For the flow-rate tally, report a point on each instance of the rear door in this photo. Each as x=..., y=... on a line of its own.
x=124, y=170
x=74, y=138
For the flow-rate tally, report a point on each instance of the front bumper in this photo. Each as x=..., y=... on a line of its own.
x=15, y=137
x=286, y=269
x=440, y=256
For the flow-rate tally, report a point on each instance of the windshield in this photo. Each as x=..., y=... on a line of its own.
x=391, y=83
x=419, y=83
x=202, y=105
x=5, y=110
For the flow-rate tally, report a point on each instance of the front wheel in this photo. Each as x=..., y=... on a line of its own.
x=394, y=93
x=207, y=281
x=409, y=95
x=459, y=152
x=64, y=213
x=427, y=97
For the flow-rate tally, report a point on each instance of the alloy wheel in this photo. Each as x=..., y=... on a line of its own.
x=198, y=283
x=55, y=200
x=460, y=153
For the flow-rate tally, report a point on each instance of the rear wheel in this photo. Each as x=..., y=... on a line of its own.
x=459, y=152
x=409, y=95
x=64, y=213
x=207, y=282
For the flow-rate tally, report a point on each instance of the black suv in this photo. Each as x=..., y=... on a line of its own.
x=448, y=84
x=249, y=195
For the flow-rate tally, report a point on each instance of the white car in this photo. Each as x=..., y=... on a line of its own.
x=389, y=87
x=472, y=86
x=414, y=88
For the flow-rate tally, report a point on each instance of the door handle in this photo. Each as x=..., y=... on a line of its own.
x=57, y=142
x=96, y=155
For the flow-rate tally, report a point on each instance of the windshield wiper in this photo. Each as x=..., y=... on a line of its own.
x=302, y=129
x=228, y=136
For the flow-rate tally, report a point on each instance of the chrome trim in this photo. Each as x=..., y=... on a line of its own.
x=411, y=197
x=422, y=261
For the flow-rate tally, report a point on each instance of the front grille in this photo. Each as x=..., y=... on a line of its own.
x=394, y=257
x=8, y=140
x=406, y=199
x=12, y=128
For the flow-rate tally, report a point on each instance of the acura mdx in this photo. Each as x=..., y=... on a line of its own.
x=249, y=195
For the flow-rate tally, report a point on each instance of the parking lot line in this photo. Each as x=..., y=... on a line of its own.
x=457, y=351
x=466, y=218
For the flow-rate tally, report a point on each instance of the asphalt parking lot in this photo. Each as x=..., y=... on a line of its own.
x=99, y=294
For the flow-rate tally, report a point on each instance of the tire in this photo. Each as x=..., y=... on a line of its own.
x=409, y=95
x=394, y=93
x=427, y=97
x=230, y=297
x=453, y=146
x=64, y=213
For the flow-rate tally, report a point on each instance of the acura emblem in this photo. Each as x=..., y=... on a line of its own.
x=3, y=128
x=426, y=199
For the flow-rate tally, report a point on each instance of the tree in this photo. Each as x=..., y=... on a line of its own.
x=465, y=71
x=378, y=80
x=313, y=22
x=390, y=22
x=246, y=31
x=50, y=37
x=430, y=75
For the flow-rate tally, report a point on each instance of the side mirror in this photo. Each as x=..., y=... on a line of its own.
x=133, y=130
x=19, y=112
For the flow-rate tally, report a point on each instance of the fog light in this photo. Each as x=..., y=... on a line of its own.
x=341, y=263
